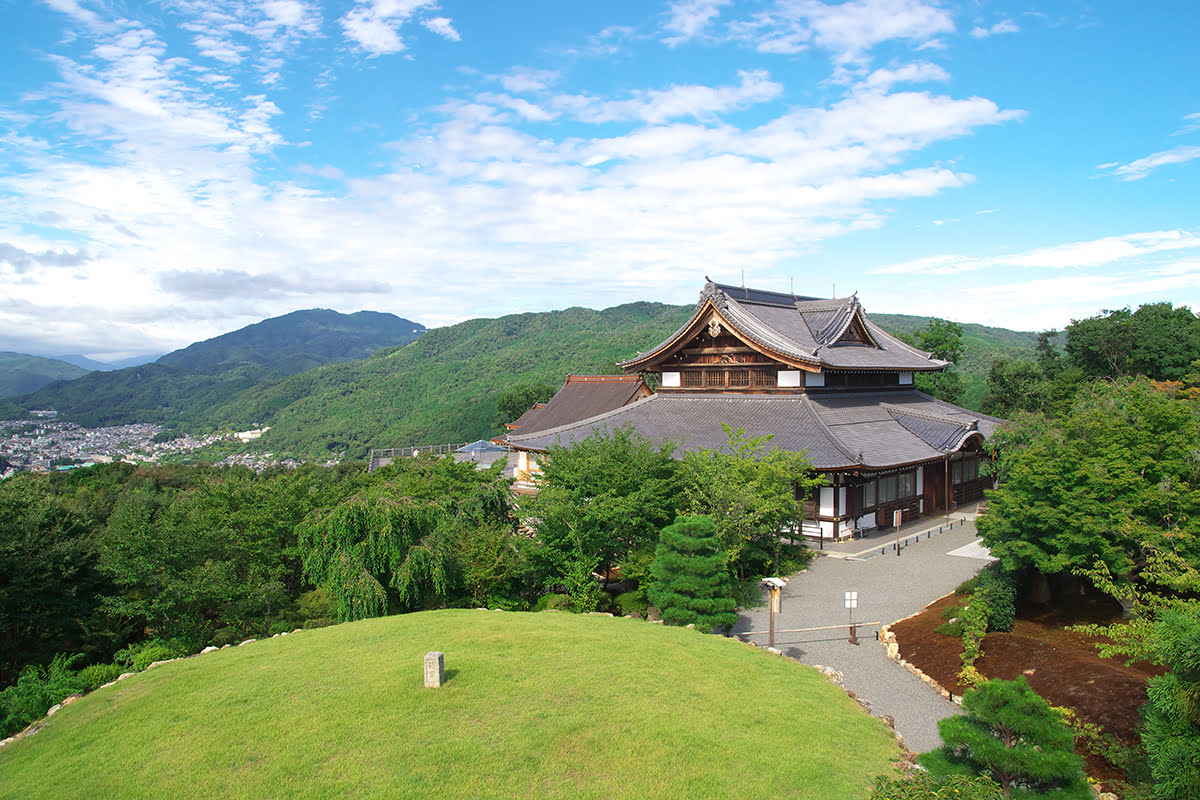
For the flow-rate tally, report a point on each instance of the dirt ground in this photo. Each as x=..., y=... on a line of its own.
x=1060, y=665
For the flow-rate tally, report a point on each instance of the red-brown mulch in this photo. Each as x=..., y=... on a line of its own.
x=1060, y=665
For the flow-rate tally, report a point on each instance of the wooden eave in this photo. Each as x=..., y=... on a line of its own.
x=706, y=312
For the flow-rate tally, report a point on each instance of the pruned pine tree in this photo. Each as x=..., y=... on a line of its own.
x=1011, y=735
x=691, y=584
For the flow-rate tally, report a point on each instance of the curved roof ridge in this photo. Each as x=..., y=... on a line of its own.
x=971, y=423
x=875, y=330
x=855, y=459
x=752, y=327
x=514, y=438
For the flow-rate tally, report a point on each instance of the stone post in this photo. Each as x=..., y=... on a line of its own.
x=435, y=669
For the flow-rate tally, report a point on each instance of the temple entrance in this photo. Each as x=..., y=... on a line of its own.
x=935, y=488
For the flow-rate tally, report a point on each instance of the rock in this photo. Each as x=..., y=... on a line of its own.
x=889, y=720
x=226, y=645
x=435, y=669
x=68, y=700
x=653, y=614
x=157, y=663
x=52, y=710
x=775, y=651
x=832, y=674
x=125, y=675
x=248, y=641
x=603, y=614
x=209, y=649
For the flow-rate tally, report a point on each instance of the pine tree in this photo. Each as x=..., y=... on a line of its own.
x=691, y=581
x=1011, y=735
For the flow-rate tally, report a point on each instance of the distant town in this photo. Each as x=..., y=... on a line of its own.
x=45, y=443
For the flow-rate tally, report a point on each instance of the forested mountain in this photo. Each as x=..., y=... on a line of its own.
x=181, y=387
x=444, y=386
x=20, y=374
x=295, y=342
x=420, y=388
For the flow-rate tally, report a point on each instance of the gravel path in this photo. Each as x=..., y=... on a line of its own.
x=889, y=588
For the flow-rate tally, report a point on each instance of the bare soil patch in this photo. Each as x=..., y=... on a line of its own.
x=1060, y=665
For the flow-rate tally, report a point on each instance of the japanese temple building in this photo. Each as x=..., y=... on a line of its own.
x=818, y=376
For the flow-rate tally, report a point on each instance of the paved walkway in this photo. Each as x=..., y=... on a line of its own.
x=889, y=587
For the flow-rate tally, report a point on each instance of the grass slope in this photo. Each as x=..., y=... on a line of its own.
x=537, y=705
x=21, y=374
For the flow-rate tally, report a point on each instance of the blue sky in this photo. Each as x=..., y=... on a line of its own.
x=173, y=170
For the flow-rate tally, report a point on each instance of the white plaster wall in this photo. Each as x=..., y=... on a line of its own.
x=906, y=378
x=842, y=498
x=814, y=378
x=920, y=480
x=826, y=506
x=867, y=521
x=789, y=378
x=670, y=379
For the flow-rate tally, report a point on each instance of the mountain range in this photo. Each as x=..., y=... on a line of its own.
x=335, y=384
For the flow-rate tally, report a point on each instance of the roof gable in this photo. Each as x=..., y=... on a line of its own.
x=580, y=397
x=803, y=332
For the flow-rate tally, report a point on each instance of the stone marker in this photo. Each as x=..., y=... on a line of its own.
x=435, y=669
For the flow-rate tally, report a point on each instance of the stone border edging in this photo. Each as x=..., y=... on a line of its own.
x=34, y=727
x=893, y=651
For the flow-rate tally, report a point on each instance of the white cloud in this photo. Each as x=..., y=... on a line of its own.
x=1191, y=123
x=1136, y=170
x=689, y=18
x=659, y=105
x=524, y=79
x=1081, y=255
x=374, y=25
x=1003, y=26
x=443, y=27
x=920, y=72
x=847, y=30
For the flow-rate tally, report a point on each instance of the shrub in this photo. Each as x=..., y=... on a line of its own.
x=953, y=629
x=632, y=603
x=317, y=622
x=923, y=786
x=36, y=690
x=139, y=656
x=997, y=590
x=96, y=675
x=691, y=582
x=967, y=586
x=282, y=626
x=1012, y=735
x=553, y=602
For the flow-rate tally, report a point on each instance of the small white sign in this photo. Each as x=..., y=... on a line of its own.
x=851, y=599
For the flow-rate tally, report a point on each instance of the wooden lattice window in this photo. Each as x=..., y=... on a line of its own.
x=764, y=378
x=693, y=377
x=714, y=377
x=739, y=377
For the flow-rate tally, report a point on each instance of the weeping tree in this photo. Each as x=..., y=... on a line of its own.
x=414, y=544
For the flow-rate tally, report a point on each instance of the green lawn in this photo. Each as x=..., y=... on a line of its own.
x=536, y=706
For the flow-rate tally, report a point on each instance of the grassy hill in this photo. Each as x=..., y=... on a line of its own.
x=21, y=374
x=547, y=705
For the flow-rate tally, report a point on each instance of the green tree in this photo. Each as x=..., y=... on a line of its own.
x=603, y=501
x=1171, y=719
x=750, y=490
x=1010, y=734
x=398, y=546
x=1117, y=474
x=519, y=399
x=1164, y=628
x=944, y=340
x=691, y=583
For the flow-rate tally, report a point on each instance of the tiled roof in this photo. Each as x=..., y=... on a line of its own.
x=875, y=430
x=582, y=396
x=801, y=329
